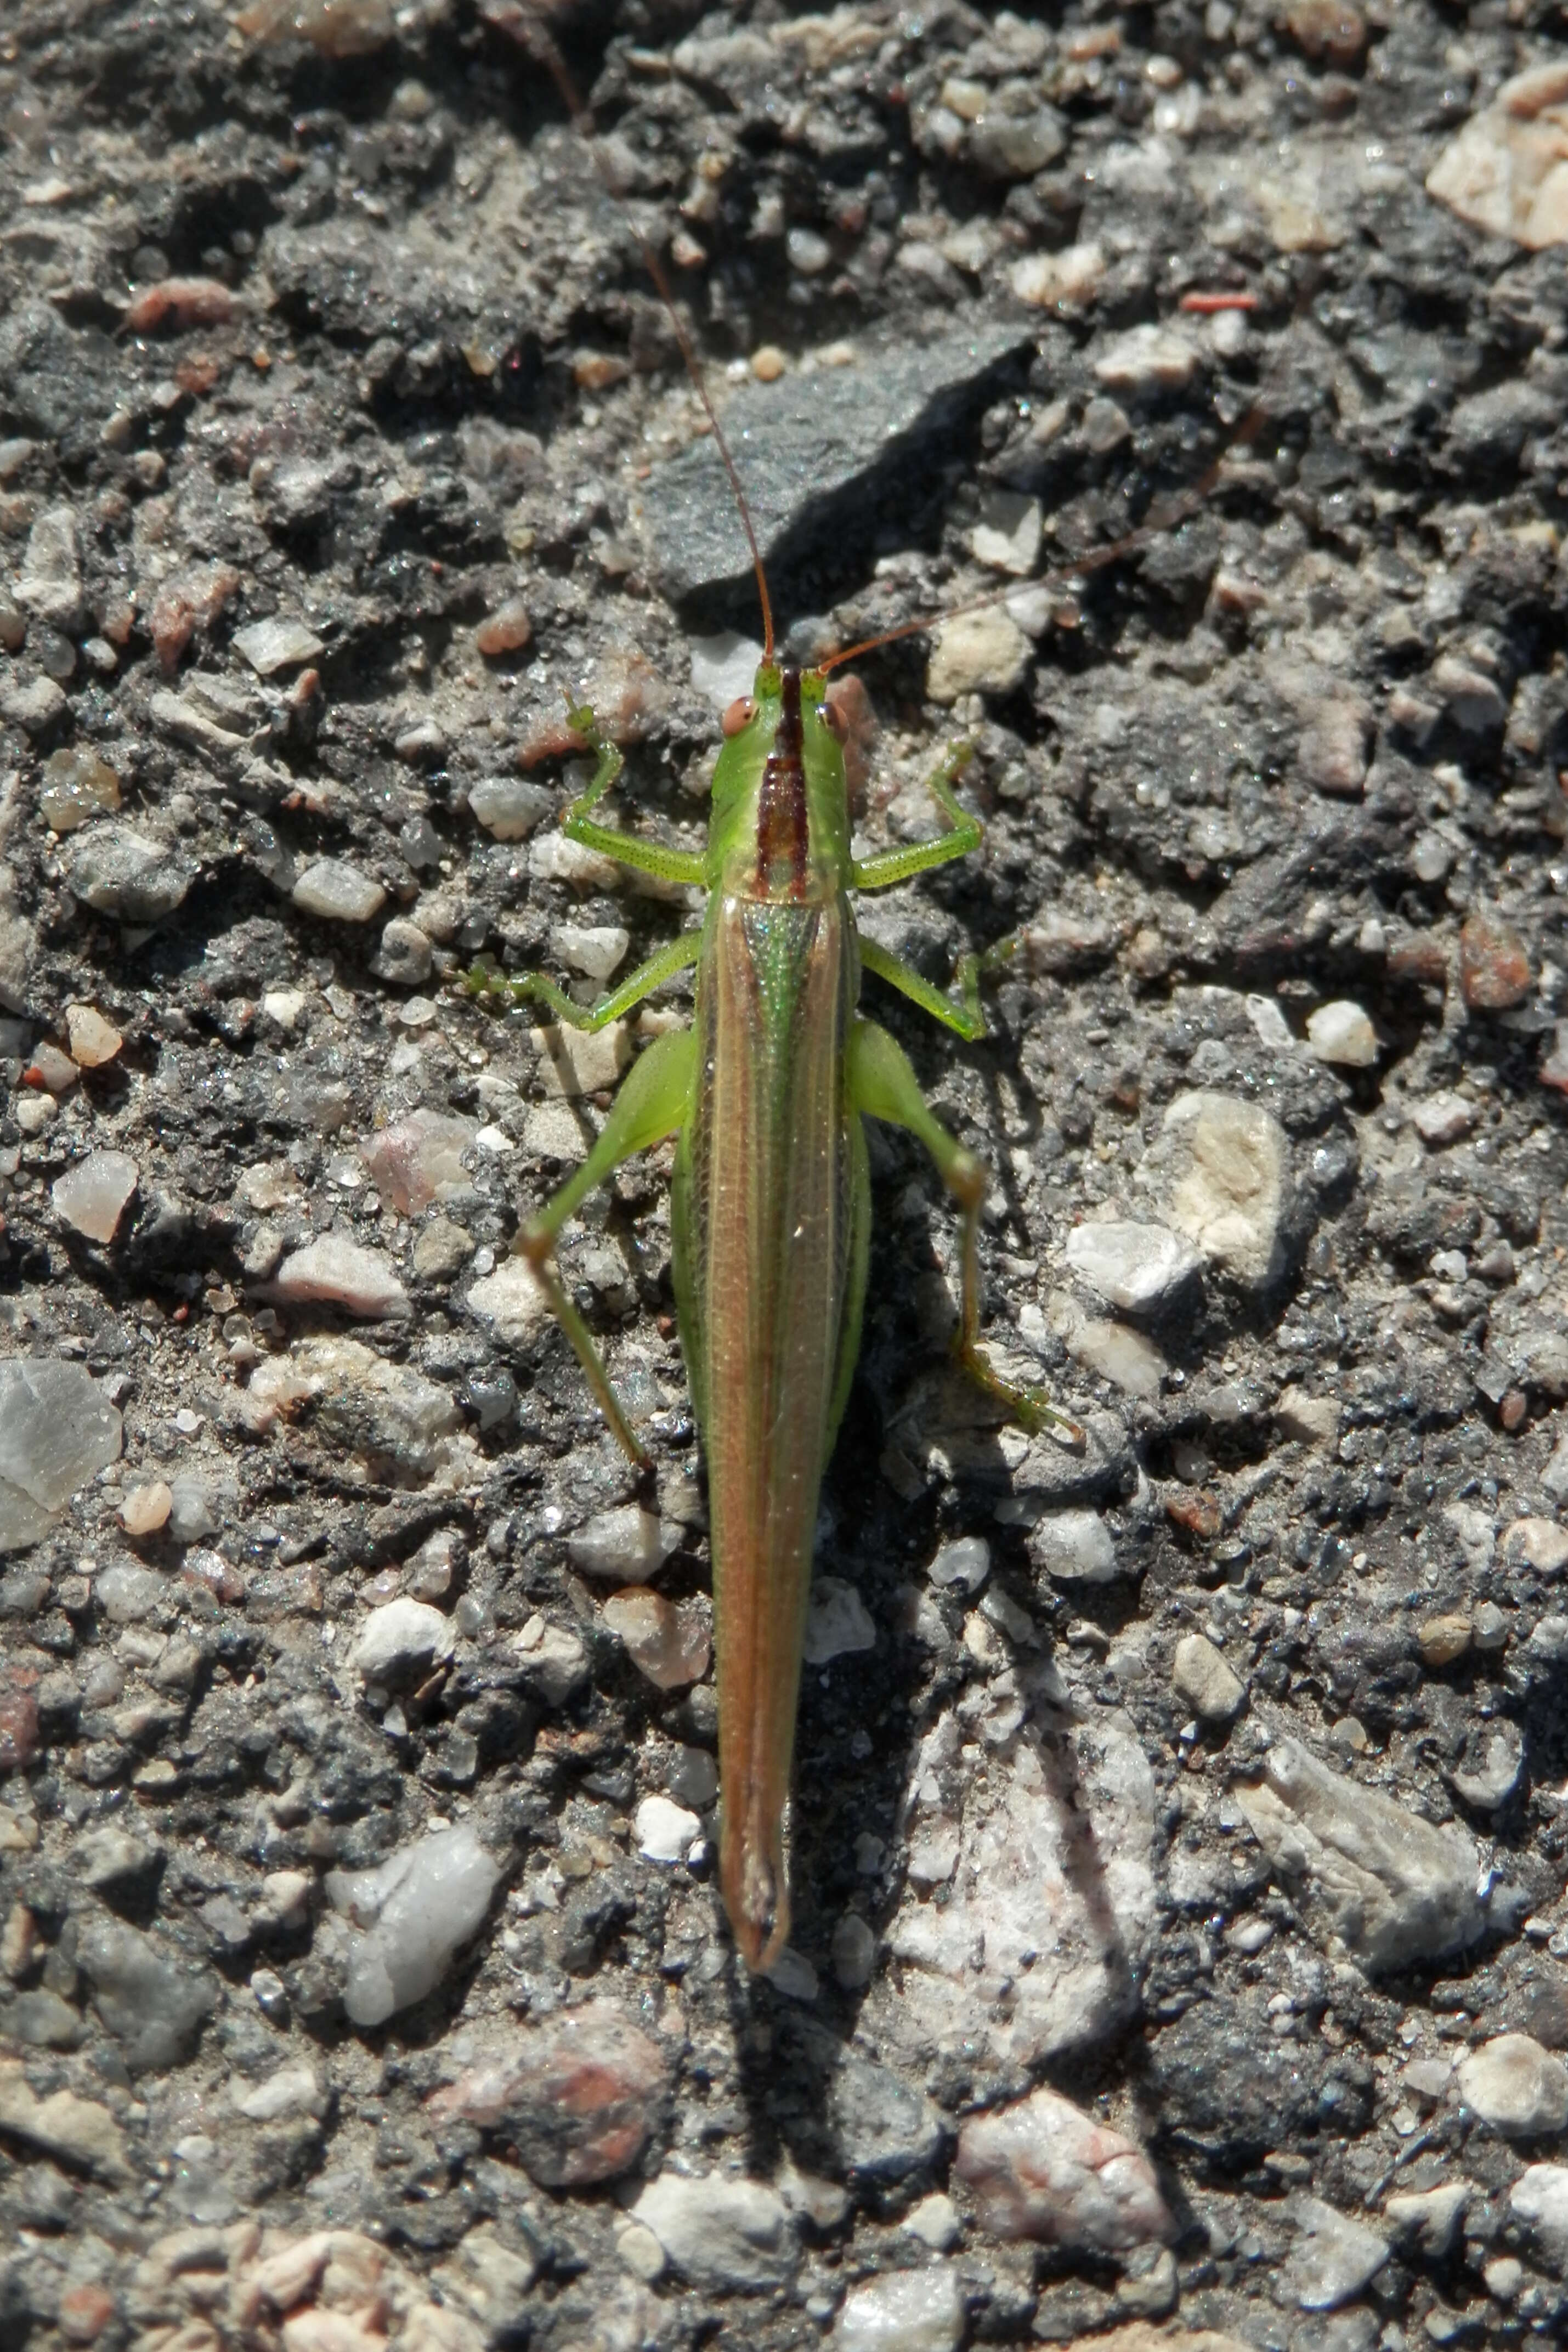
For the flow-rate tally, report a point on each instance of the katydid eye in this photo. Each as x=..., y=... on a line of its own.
x=834, y=721
x=739, y=715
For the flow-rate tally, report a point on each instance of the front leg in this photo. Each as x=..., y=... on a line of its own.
x=881, y=1085
x=525, y=987
x=964, y=1015
x=647, y=856
x=966, y=833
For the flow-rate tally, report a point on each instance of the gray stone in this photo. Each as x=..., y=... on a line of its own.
x=1137, y=1267
x=117, y=871
x=402, y=1639
x=1333, y=2257
x=50, y=583
x=718, y=2231
x=276, y=644
x=815, y=449
x=34, y=705
x=837, y=1622
x=415, y=1909
x=904, y=2311
x=1492, y=1766
x=1073, y=1548
x=1222, y=1168
x=879, y=2129
x=404, y=957
x=1370, y=1874
x=1202, y=1680
x=44, y=2021
x=1538, y=2203
x=57, y=1433
x=110, y=1858
x=1429, y=2216
x=1055, y=1895
x=127, y=1592
x=59, y=381
x=1515, y=2086
x=153, y=2007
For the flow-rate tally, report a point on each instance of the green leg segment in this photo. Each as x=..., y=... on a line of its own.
x=883, y=1085
x=654, y=1101
x=495, y=986
x=648, y=856
x=880, y=873
x=966, y=1015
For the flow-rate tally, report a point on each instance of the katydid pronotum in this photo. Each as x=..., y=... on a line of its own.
x=766, y=1095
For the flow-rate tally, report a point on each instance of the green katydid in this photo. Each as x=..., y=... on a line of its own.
x=766, y=1094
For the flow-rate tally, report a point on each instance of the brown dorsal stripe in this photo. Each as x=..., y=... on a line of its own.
x=782, y=832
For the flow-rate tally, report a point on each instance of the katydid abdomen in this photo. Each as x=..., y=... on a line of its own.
x=769, y=1272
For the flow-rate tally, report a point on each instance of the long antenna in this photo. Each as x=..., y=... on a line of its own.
x=516, y=19
x=1172, y=512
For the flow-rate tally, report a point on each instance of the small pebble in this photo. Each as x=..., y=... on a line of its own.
x=34, y=705
x=146, y=1510
x=769, y=364
x=505, y=631
x=77, y=784
x=903, y=2311
x=1074, y=1546
x=404, y=957
x=1333, y=2257
x=1310, y=1420
x=594, y=949
x=52, y=1069
x=509, y=807
x=1203, y=1681
x=276, y=643
x=415, y=1909
x=854, y=1951
x=1332, y=753
x=400, y=1641
x=964, y=1564
x=91, y=1196
x=1342, y=1034
x=93, y=1040
x=665, y=1830
x=934, y=2220
x=667, y=1642
x=1442, y=1640
x=342, y=1274
x=976, y=653
x=1041, y=2168
x=1146, y=360
x=1138, y=1268
x=837, y=1622
x=1443, y=1119
x=626, y=1545
x=1541, y=1543
x=1066, y=279
x=1515, y=2086
x=1494, y=967
x=719, y=2232
x=338, y=892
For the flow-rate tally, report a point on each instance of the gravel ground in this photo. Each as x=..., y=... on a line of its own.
x=1180, y=1950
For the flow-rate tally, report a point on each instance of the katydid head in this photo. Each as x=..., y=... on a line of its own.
x=780, y=807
